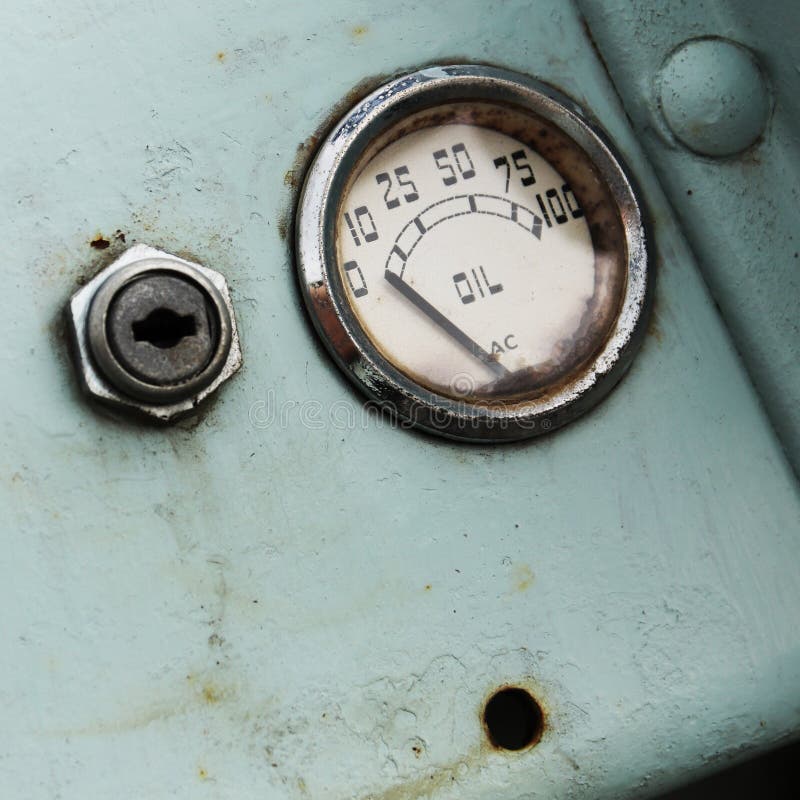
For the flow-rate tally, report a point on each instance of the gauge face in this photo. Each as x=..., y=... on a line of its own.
x=467, y=259
x=476, y=256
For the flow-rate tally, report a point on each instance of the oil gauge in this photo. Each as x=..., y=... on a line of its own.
x=473, y=253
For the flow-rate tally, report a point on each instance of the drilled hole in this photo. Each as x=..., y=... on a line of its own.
x=513, y=719
x=164, y=328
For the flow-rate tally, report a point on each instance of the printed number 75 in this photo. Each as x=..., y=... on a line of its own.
x=519, y=157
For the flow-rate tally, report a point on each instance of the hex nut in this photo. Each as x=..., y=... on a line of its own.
x=154, y=333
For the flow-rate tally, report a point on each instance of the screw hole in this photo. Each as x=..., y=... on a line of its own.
x=513, y=719
x=164, y=328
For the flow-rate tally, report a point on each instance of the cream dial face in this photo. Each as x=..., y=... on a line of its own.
x=467, y=259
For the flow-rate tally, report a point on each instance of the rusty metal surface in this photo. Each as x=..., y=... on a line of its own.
x=284, y=597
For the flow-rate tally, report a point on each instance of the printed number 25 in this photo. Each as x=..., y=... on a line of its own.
x=410, y=195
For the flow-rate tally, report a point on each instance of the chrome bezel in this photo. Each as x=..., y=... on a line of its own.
x=336, y=321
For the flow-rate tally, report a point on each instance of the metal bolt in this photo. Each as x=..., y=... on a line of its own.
x=155, y=332
x=714, y=97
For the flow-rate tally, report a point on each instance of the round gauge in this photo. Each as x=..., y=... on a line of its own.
x=473, y=253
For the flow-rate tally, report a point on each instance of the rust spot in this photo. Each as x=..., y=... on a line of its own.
x=99, y=242
x=653, y=328
x=290, y=179
x=283, y=226
x=211, y=695
x=309, y=144
x=221, y=56
x=195, y=694
x=359, y=31
x=330, y=323
x=202, y=773
x=428, y=587
x=522, y=577
x=425, y=785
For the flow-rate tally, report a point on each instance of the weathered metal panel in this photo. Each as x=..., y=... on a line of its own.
x=739, y=212
x=282, y=600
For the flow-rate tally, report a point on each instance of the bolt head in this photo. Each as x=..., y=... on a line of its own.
x=122, y=362
x=714, y=96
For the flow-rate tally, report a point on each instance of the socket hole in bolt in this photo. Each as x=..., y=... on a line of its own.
x=163, y=328
x=513, y=719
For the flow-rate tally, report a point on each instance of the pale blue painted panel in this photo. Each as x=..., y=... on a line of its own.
x=739, y=212
x=235, y=609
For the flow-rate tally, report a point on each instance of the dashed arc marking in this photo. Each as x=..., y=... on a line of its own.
x=471, y=206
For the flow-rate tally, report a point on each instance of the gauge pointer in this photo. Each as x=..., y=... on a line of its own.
x=448, y=327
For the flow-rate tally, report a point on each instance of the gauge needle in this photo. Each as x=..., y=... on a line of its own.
x=448, y=327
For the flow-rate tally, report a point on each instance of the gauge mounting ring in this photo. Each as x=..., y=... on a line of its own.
x=350, y=145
